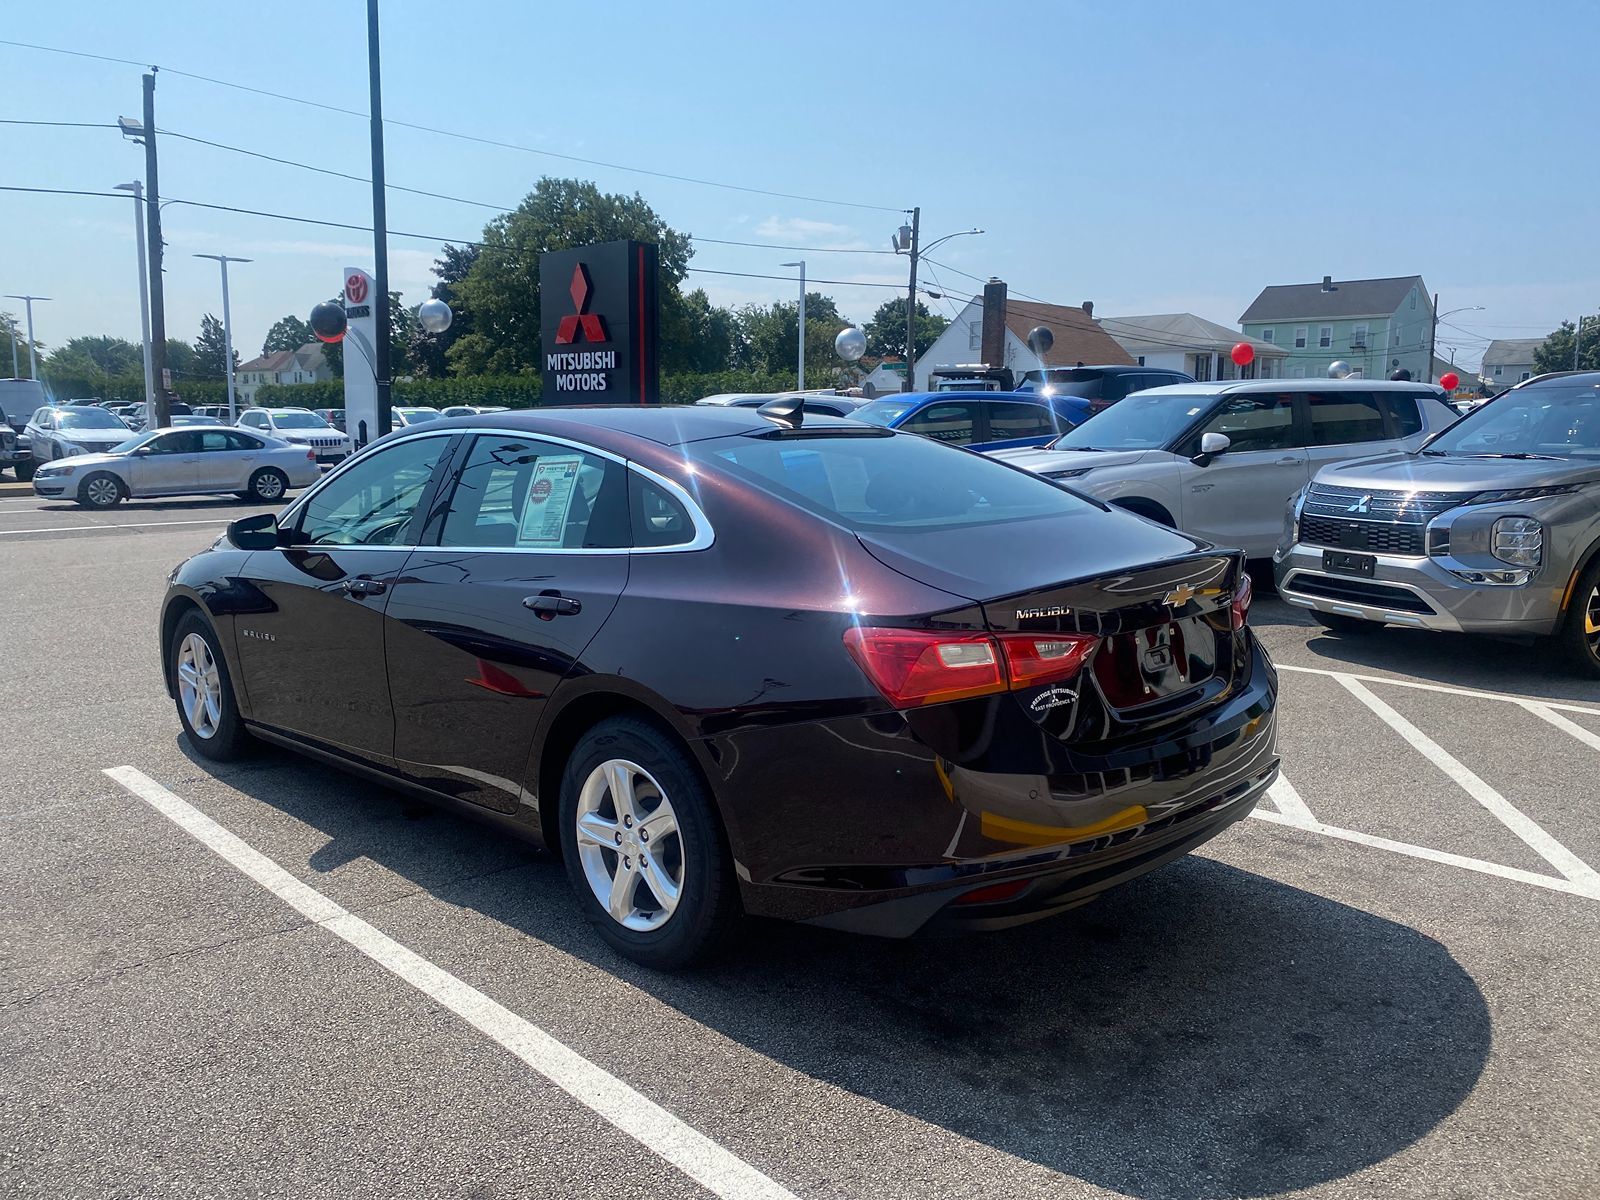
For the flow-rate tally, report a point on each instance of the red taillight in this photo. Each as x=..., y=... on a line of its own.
x=311, y=455
x=914, y=667
x=1241, y=600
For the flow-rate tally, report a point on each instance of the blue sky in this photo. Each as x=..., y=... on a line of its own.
x=1153, y=157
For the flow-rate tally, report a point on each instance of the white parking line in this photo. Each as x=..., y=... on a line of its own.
x=128, y=525
x=717, y=1170
x=1587, y=736
x=1525, y=827
x=1471, y=693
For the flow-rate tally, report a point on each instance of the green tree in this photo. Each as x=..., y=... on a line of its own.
x=500, y=291
x=288, y=333
x=91, y=356
x=886, y=332
x=181, y=360
x=698, y=336
x=768, y=338
x=1556, y=353
x=430, y=351
x=210, y=350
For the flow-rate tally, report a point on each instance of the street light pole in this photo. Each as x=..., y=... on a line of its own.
x=11, y=328
x=33, y=357
x=380, y=235
x=1438, y=316
x=800, y=374
x=137, y=188
x=909, y=240
x=227, y=327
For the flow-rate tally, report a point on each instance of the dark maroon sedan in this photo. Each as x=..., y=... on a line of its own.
x=728, y=662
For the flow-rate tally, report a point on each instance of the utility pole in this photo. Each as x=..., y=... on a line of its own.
x=33, y=357
x=911, y=305
x=800, y=374
x=380, y=234
x=227, y=328
x=1577, y=340
x=1433, y=335
x=160, y=414
x=137, y=188
x=11, y=328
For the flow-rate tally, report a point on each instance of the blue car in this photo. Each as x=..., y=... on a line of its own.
x=978, y=420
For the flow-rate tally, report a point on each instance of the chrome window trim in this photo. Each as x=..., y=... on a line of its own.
x=704, y=535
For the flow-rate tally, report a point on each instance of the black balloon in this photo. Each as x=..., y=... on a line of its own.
x=1040, y=339
x=328, y=322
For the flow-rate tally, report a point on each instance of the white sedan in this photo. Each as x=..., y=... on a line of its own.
x=191, y=461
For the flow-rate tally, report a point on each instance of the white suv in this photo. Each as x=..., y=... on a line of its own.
x=299, y=427
x=1220, y=460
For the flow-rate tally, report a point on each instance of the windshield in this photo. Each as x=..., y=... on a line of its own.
x=872, y=482
x=87, y=418
x=133, y=443
x=413, y=415
x=298, y=420
x=1140, y=422
x=1554, y=420
x=881, y=412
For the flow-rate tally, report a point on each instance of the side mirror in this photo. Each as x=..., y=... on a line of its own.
x=259, y=532
x=1211, y=445
x=141, y=451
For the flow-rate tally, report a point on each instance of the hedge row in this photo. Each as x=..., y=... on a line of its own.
x=129, y=389
x=513, y=391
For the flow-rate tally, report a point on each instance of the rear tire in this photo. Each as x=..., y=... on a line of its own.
x=1339, y=623
x=101, y=491
x=616, y=868
x=268, y=485
x=206, y=704
x=1577, y=643
x=24, y=471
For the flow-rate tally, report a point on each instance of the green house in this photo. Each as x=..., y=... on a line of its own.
x=1378, y=326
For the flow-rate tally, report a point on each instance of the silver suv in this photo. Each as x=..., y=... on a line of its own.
x=1492, y=527
x=1218, y=460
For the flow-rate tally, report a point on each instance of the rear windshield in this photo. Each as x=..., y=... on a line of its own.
x=1140, y=422
x=879, y=483
x=882, y=412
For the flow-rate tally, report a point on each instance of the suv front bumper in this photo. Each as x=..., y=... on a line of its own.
x=1421, y=592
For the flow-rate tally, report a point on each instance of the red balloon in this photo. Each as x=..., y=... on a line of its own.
x=1243, y=354
x=1449, y=381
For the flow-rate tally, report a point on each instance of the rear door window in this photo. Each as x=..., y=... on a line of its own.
x=952, y=421
x=1342, y=418
x=1405, y=412
x=1011, y=419
x=525, y=494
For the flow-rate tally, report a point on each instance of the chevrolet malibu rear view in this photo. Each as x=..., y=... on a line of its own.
x=729, y=662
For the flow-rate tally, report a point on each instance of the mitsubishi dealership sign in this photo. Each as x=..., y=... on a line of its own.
x=598, y=319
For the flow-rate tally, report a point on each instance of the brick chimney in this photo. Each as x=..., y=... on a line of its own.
x=1088, y=308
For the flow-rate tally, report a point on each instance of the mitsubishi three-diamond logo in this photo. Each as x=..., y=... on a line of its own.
x=1360, y=506
x=580, y=325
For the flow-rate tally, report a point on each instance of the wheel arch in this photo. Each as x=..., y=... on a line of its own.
x=1144, y=506
x=579, y=708
x=1585, y=561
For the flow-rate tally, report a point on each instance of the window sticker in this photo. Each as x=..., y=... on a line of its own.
x=550, y=492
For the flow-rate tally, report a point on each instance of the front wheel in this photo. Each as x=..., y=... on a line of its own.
x=24, y=471
x=1340, y=623
x=644, y=846
x=206, y=705
x=1577, y=642
x=268, y=485
x=101, y=490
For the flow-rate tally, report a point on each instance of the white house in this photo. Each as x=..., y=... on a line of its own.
x=305, y=365
x=1193, y=345
x=1508, y=361
x=1078, y=340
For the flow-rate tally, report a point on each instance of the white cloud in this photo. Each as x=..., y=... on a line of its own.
x=799, y=229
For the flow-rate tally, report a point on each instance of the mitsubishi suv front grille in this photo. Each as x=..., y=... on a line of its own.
x=1378, y=522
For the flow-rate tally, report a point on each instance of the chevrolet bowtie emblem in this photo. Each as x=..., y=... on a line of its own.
x=1178, y=596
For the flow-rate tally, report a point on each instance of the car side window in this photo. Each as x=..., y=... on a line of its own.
x=373, y=502
x=1009, y=419
x=522, y=493
x=1256, y=421
x=658, y=519
x=1341, y=418
x=175, y=443
x=946, y=422
x=241, y=441
x=1406, y=413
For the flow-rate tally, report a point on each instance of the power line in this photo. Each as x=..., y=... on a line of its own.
x=467, y=137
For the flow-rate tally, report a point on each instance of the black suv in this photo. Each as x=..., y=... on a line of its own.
x=1100, y=386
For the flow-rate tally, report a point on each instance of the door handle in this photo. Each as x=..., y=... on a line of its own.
x=363, y=587
x=1288, y=460
x=549, y=605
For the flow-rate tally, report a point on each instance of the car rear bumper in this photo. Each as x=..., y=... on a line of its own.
x=894, y=837
x=1420, y=592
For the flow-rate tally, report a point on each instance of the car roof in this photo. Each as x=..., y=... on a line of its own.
x=968, y=394
x=609, y=426
x=1235, y=386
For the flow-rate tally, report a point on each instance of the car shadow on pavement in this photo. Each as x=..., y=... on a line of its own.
x=1202, y=1032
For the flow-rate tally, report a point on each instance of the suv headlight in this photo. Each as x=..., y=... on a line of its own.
x=1532, y=493
x=1072, y=474
x=71, y=448
x=1518, y=540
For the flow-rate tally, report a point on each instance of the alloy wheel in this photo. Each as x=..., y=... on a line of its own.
x=1591, y=622
x=102, y=491
x=630, y=846
x=199, y=686
x=269, y=486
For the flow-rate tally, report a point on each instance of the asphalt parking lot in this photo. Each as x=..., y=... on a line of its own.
x=266, y=980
